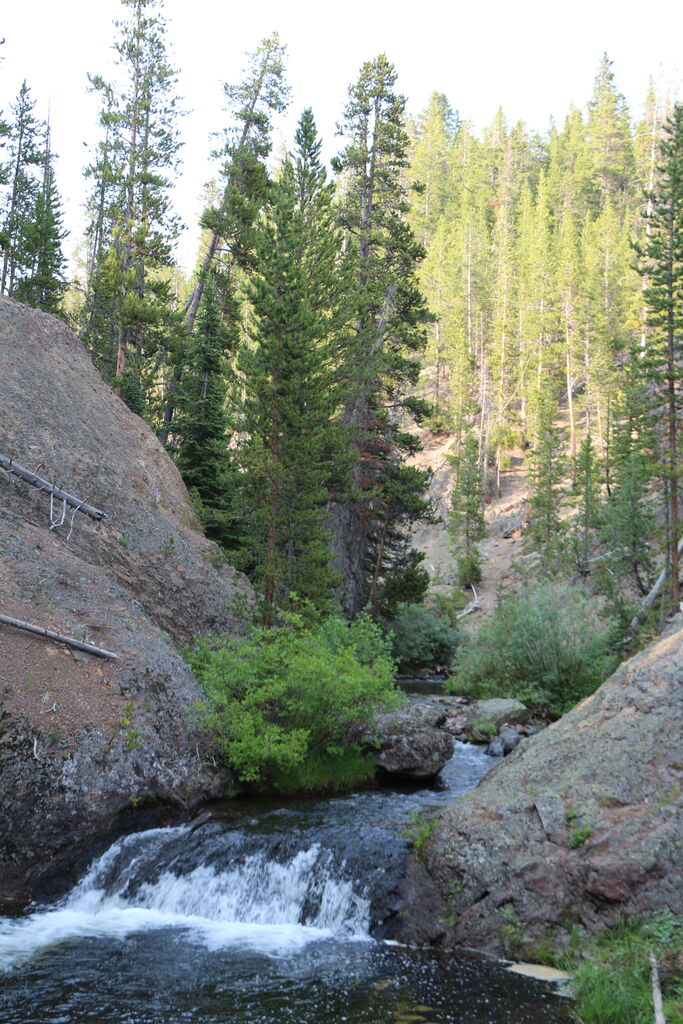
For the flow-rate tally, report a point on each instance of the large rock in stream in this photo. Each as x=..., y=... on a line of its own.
x=581, y=825
x=90, y=747
x=409, y=743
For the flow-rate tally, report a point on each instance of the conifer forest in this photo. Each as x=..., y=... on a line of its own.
x=518, y=293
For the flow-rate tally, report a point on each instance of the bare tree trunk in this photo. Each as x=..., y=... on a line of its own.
x=44, y=485
x=654, y=593
x=50, y=634
x=656, y=990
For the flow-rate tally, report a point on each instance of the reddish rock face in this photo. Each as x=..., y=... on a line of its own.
x=581, y=825
x=85, y=744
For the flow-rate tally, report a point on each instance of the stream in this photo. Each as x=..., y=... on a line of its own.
x=258, y=912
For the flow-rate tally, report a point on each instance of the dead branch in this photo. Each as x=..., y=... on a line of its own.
x=652, y=596
x=44, y=485
x=473, y=606
x=50, y=634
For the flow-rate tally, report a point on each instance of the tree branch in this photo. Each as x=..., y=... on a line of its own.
x=50, y=634
x=44, y=485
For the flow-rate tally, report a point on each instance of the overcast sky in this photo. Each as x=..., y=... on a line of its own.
x=532, y=57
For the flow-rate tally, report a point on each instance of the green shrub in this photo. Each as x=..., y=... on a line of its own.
x=283, y=703
x=422, y=638
x=542, y=646
x=469, y=569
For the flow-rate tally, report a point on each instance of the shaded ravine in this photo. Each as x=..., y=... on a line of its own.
x=257, y=914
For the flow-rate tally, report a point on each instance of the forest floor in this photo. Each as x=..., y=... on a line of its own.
x=503, y=562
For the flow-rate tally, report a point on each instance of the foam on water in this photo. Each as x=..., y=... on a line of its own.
x=261, y=903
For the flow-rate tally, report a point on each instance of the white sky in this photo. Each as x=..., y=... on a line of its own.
x=532, y=57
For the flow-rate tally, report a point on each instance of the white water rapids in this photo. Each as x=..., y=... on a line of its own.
x=259, y=904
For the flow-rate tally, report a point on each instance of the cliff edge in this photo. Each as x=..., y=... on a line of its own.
x=89, y=746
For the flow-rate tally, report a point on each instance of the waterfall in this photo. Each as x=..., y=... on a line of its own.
x=217, y=886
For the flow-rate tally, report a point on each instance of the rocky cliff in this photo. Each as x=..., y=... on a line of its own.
x=581, y=825
x=91, y=746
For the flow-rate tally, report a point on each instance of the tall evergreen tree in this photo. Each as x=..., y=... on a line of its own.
x=609, y=136
x=467, y=526
x=546, y=528
x=290, y=400
x=587, y=517
x=628, y=518
x=22, y=189
x=261, y=94
x=41, y=282
x=229, y=219
x=382, y=255
x=430, y=168
x=661, y=260
x=203, y=426
x=132, y=181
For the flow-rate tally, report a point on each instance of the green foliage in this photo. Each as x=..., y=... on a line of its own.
x=467, y=525
x=422, y=638
x=541, y=645
x=284, y=704
x=661, y=265
x=511, y=932
x=128, y=317
x=31, y=233
x=628, y=517
x=388, y=318
x=469, y=569
x=419, y=832
x=587, y=518
x=545, y=530
x=485, y=727
x=202, y=424
x=293, y=448
x=611, y=976
x=579, y=836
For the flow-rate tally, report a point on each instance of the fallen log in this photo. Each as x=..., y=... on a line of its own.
x=473, y=606
x=44, y=485
x=50, y=634
x=634, y=625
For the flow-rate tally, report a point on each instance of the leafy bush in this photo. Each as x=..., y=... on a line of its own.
x=422, y=637
x=283, y=703
x=542, y=646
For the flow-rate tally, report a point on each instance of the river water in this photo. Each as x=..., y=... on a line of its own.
x=258, y=913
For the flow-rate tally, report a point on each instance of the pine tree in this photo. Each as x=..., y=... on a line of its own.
x=203, y=426
x=290, y=438
x=587, y=518
x=229, y=220
x=629, y=522
x=23, y=188
x=4, y=135
x=609, y=136
x=661, y=260
x=467, y=526
x=430, y=166
x=131, y=200
x=261, y=94
x=382, y=255
x=41, y=282
x=546, y=528
x=609, y=324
